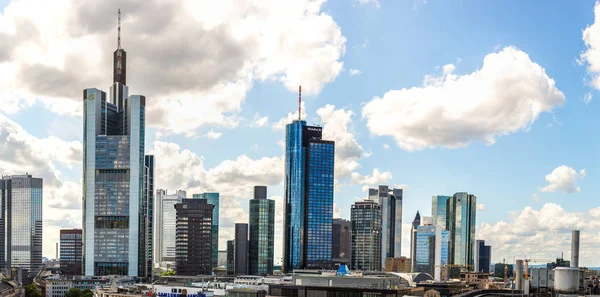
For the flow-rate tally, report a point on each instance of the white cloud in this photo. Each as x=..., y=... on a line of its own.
x=480, y=206
x=354, y=72
x=291, y=116
x=386, y=146
x=542, y=233
x=213, y=135
x=587, y=98
x=259, y=121
x=235, y=44
x=507, y=94
x=591, y=55
x=564, y=179
x=377, y=178
x=371, y=2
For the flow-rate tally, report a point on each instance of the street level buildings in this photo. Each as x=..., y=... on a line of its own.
x=366, y=235
x=390, y=201
x=193, y=240
x=71, y=251
x=262, y=233
x=308, y=194
x=165, y=219
x=213, y=198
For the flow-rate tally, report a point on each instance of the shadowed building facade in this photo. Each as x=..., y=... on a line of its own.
x=193, y=240
x=262, y=233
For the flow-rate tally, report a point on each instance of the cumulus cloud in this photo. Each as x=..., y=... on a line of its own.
x=354, y=72
x=591, y=55
x=507, y=94
x=480, y=206
x=544, y=232
x=213, y=135
x=564, y=179
x=291, y=116
x=587, y=98
x=259, y=121
x=235, y=44
x=375, y=179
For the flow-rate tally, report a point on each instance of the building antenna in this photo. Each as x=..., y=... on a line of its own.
x=119, y=31
x=299, y=102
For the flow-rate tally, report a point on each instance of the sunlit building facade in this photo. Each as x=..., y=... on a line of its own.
x=438, y=210
x=164, y=233
x=390, y=201
x=213, y=199
x=461, y=222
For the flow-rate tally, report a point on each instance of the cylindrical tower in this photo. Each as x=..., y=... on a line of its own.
x=575, y=248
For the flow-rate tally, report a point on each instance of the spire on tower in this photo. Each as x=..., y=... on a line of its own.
x=299, y=102
x=119, y=30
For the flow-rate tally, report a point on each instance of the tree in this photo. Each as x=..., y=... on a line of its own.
x=73, y=292
x=169, y=272
x=32, y=291
x=87, y=293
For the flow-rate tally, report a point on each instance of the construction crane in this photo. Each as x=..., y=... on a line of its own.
x=533, y=261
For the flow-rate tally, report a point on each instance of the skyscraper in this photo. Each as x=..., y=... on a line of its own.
x=262, y=233
x=431, y=253
x=483, y=256
x=366, y=235
x=438, y=210
x=341, y=241
x=460, y=221
x=240, y=245
x=71, y=251
x=21, y=218
x=113, y=177
x=166, y=225
x=193, y=253
x=413, y=237
x=213, y=198
x=230, y=257
x=309, y=166
x=390, y=201
x=148, y=217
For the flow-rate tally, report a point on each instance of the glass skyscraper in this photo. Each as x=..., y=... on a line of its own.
x=193, y=237
x=21, y=219
x=438, y=210
x=460, y=223
x=71, y=251
x=262, y=233
x=390, y=201
x=431, y=250
x=148, y=215
x=164, y=233
x=213, y=198
x=309, y=168
x=365, y=218
x=483, y=256
x=114, y=180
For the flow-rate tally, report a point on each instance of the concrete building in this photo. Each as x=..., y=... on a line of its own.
x=261, y=245
x=366, y=235
x=483, y=256
x=165, y=220
x=308, y=194
x=402, y=265
x=240, y=245
x=71, y=251
x=114, y=178
x=59, y=285
x=213, y=198
x=341, y=242
x=460, y=222
x=193, y=239
x=21, y=222
x=390, y=201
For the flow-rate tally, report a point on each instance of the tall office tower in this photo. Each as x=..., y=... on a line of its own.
x=71, y=251
x=165, y=220
x=193, y=253
x=390, y=201
x=366, y=235
x=230, y=257
x=460, y=223
x=21, y=221
x=262, y=233
x=483, y=256
x=413, y=237
x=341, y=241
x=146, y=246
x=240, y=249
x=438, y=210
x=113, y=177
x=309, y=166
x=431, y=254
x=213, y=198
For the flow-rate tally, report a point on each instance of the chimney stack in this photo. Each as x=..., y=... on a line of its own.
x=575, y=248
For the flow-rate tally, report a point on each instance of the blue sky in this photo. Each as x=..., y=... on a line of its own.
x=394, y=45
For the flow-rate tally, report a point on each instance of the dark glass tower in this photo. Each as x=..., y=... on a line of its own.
x=193, y=251
x=262, y=233
x=309, y=169
x=230, y=257
x=390, y=201
x=71, y=251
x=366, y=235
x=341, y=242
x=483, y=256
x=240, y=264
x=213, y=198
x=460, y=221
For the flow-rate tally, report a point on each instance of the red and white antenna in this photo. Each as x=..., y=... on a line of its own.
x=119, y=31
x=299, y=102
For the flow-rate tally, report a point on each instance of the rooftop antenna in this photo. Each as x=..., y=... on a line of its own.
x=119, y=31
x=299, y=102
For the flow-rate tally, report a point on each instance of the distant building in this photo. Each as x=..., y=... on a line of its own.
x=262, y=233
x=148, y=215
x=213, y=198
x=431, y=254
x=165, y=227
x=460, y=222
x=401, y=265
x=193, y=254
x=241, y=249
x=230, y=257
x=390, y=201
x=341, y=241
x=413, y=236
x=560, y=262
x=308, y=194
x=21, y=222
x=366, y=235
x=222, y=258
x=71, y=251
x=58, y=286
x=438, y=210
x=483, y=256
x=500, y=267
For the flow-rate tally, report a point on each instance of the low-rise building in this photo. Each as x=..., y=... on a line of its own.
x=402, y=264
x=59, y=285
x=480, y=280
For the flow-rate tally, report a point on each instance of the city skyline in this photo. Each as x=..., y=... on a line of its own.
x=524, y=164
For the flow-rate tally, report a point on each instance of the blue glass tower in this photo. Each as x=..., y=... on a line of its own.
x=460, y=223
x=309, y=168
x=438, y=210
x=213, y=198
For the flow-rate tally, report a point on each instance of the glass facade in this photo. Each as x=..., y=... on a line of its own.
x=461, y=221
x=262, y=235
x=390, y=201
x=483, y=256
x=165, y=231
x=193, y=245
x=213, y=198
x=438, y=210
x=431, y=252
x=22, y=214
x=71, y=254
x=341, y=242
x=366, y=235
